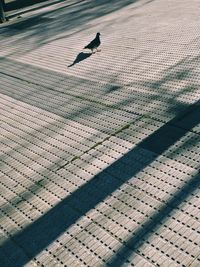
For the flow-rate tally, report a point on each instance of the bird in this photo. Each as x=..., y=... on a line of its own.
x=94, y=43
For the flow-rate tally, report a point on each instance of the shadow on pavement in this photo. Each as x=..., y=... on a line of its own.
x=42, y=232
x=80, y=57
x=147, y=228
x=64, y=19
x=17, y=4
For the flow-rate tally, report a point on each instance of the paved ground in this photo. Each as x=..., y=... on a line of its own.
x=100, y=153
x=15, y=8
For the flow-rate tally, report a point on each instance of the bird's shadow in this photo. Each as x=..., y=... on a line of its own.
x=80, y=57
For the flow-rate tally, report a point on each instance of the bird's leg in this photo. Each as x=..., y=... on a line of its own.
x=93, y=51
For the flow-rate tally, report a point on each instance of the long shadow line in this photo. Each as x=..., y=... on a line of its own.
x=37, y=236
x=10, y=7
x=139, y=237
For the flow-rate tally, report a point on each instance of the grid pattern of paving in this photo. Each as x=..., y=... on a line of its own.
x=100, y=154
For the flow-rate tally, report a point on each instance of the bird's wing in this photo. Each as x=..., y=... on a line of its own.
x=91, y=44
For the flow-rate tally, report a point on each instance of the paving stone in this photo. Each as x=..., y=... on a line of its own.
x=100, y=153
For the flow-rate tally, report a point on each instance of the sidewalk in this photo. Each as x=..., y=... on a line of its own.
x=100, y=153
x=18, y=8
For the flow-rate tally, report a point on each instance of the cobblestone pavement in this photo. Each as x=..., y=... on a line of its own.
x=100, y=153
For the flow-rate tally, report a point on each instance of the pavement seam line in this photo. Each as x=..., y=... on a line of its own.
x=126, y=126
x=112, y=106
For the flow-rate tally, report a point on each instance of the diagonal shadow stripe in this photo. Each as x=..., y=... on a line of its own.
x=139, y=237
x=37, y=236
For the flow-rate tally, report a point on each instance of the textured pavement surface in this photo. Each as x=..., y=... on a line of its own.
x=100, y=154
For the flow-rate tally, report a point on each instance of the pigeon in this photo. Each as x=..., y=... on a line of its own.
x=94, y=43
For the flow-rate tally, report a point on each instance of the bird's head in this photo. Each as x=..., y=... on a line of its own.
x=98, y=34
